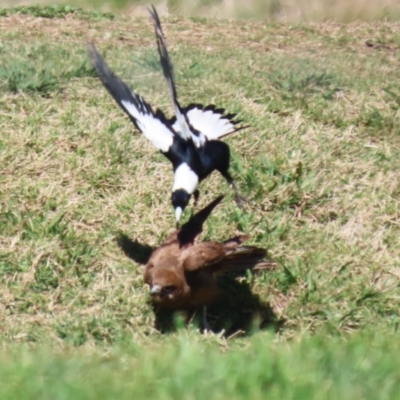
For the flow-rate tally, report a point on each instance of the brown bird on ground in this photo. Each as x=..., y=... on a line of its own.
x=182, y=273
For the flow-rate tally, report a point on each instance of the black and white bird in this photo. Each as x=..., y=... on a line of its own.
x=190, y=140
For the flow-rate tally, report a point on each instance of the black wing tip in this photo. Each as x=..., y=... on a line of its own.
x=117, y=88
x=206, y=211
x=194, y=226
x=153, y=12
x=96, y=59
x=201, y=216
x=157, y=22
x=212, y=205
x=92, y=52
x=165, y=61
x=90, y=46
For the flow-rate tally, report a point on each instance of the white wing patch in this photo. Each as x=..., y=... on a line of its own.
x=185, y=178
x=210, y=123
x=198, y=140
x=151, y=127
x=180, y=126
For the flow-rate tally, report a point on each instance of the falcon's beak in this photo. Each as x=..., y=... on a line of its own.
x=155, y=289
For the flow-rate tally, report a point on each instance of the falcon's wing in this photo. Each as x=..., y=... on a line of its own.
x=202, y=255
x=189, y=231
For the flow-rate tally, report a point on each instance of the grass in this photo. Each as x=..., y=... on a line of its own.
x=40, y=75
x=210, y=368
x=53, y=11
x=271, y=10
x=319, y=165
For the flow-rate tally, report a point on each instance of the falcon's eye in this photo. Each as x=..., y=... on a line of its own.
x=168, y=289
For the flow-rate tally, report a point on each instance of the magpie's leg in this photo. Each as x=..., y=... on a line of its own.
x=239, y=199
x=196, y=195
x=205, y=325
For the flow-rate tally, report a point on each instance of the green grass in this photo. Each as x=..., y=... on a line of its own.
x=43, y=74
x=364, y=367
x=54, y=11
x=319, y=164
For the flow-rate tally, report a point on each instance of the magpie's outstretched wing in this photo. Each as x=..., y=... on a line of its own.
x=165, y=61
x=194, y=122
x=182, y=127
x=212, y=122
x=154, y=126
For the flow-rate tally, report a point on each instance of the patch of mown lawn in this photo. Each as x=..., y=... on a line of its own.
x=318, y=162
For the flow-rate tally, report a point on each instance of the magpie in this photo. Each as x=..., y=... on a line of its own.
x=189, y=140
x=203, y=125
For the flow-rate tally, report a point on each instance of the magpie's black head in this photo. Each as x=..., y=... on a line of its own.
x=180, y=198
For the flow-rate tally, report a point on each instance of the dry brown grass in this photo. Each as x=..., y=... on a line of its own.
x=282, y=10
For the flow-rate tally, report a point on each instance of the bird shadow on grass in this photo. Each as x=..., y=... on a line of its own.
x=237, y=311
x=133, y=249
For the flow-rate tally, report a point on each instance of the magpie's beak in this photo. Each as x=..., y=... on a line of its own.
x=178, y=214
x=155, y=289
